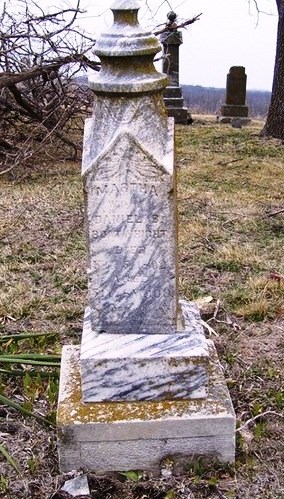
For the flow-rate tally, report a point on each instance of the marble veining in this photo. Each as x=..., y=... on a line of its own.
x=131, y=223
x=143, y=391
x=135, y=382
x=145, y=367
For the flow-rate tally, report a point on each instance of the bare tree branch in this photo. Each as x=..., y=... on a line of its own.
x=169, y=27
x=8, y=79
x=39, y=58
x=42, y=54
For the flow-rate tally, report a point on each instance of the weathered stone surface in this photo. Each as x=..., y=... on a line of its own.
x=133, y=48
x=146, y=367
x=131, y=223
x=113, y=114
x=138, y=435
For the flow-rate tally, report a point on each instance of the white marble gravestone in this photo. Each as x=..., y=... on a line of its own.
x=131, y=226
x=144, y=357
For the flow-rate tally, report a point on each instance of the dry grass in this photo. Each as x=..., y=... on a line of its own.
x=230, y=182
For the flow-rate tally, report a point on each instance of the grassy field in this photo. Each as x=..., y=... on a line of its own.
x=231, y=260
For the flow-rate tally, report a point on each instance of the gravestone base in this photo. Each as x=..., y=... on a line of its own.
x=174, y=104
x=229, y=119
x=234, y=111
x=127, y=367
x=121, y=436
x=230, y=112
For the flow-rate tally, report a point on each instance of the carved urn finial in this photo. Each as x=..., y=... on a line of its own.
x=127, y=51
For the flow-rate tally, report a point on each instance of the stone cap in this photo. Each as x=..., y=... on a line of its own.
x=238, y=71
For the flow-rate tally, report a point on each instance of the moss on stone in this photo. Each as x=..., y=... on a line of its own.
x=71, y=409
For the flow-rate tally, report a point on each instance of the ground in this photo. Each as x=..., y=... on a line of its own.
x=231, y=238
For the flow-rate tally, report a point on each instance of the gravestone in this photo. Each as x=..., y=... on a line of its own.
x=171, y=40
x=235, y=104
x=145, y=383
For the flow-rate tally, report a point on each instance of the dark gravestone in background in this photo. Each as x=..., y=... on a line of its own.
x=171, y=41
x=236, y=86
x=235, y=105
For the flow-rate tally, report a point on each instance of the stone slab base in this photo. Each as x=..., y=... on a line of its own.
x=127, y=367
x=120, y=436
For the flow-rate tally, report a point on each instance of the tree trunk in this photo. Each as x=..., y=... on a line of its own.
x=274, y=126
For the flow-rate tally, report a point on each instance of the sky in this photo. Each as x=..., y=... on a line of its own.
x=229, y=33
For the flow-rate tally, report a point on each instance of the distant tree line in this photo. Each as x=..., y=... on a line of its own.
x=208, y=100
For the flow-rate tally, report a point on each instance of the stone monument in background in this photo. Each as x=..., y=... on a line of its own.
x=235, y=105
x=171, y=40
x=145, y=384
